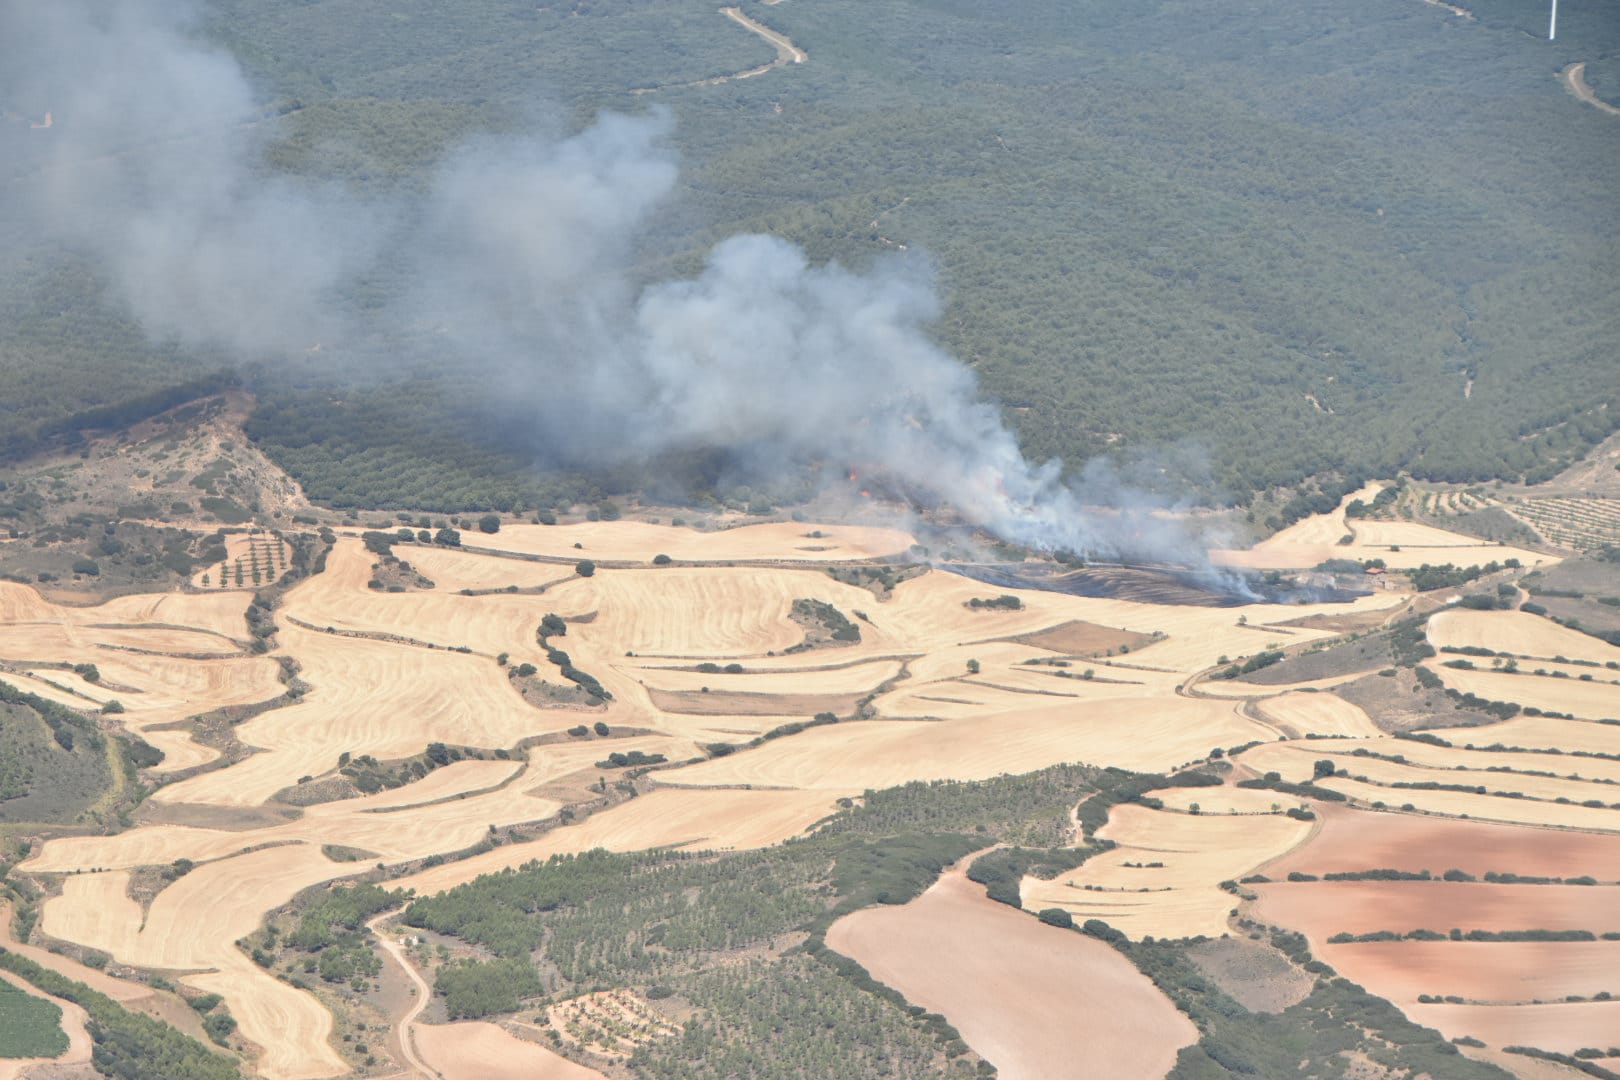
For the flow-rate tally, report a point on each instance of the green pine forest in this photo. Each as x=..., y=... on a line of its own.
x=1244, y=250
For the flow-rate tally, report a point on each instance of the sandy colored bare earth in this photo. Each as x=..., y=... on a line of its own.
x=1321, y=714
x=1517, y=632
x=709, y=820
x=1595, y=700
x=369, y=697
x=1322, y=909
x=472, y=1050
x=1401, y=544
x=854, y=756
x=193, y=925
x=640, y=542
x=1181, y=897
x=451, y=569
x=1562, y=1028
x=73, y=1021
x=1483, y=807
x=1445, y=757
x=1351, y=840
x=394, y=826
x=1296, y=762
x=1542, y=732
x=1502, y=972
x=1037, y=1002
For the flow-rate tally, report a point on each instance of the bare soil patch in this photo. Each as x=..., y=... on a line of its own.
x=473, y=1050
x=1025, y=996
x=1079, y=638
x=1562, y=1028
x=1256, y=976
x=1322, y=909
x=1490, y=972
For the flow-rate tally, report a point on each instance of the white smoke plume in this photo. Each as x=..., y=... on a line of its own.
x=517, y=262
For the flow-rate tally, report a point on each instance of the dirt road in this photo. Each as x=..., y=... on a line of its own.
x=1574, y=78
x=402, y=1026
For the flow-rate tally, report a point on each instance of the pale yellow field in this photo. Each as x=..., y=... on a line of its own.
x=1182, y=898
x=1563, y=1027
x=640, y=542
x=853, y=679
x=339, y=599
x=1543, y=731
x=1483, y=807
x=1565, y=765
x=473, y=1050
x=1321, y=714
x=192, y=928
x=706, y=820
x=1296, y=763
x=1303, y=544
x=1517, y=632
x=851, y=757
x=1401, y=544
x=1590, y=700
x=409, y=831
x=369, y=697
x=450, y=569
x=1237, y=688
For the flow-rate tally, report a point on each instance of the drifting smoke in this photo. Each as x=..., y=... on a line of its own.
x=517, y=261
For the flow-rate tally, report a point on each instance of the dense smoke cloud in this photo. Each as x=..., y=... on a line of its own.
x=517, y=262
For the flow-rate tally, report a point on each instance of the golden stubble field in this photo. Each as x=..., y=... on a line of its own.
x=948, y=692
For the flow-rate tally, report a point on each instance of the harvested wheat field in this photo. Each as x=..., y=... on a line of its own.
x=1564, y=737
x=452, y=569
x=1564, y=1027
x=702, y=820
x=1349, y=840
x=1299, y=714
x=191, y=929
x=1296, y=762
x=1322, y=909
x=1486, y=972
x=369, y=697
x=1593, y=700
x=1163, y=877
x=1517, y=632
x=636, y=541
x=1035, y=1001
x=1303, y=544
x=1572, y=766
x=1506, y=810
x=875, y=754
x=473, y=1050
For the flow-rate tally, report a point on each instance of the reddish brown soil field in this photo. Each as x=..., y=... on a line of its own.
x=1038, y=1002
x=1351, y=840
x=1322, y=909
x=1497, y=972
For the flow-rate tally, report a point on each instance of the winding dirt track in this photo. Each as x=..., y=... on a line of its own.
x=1574, y=78
x=786, y=53
x=402, y=1027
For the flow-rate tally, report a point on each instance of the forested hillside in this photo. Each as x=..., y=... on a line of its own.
x=1252, y=247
